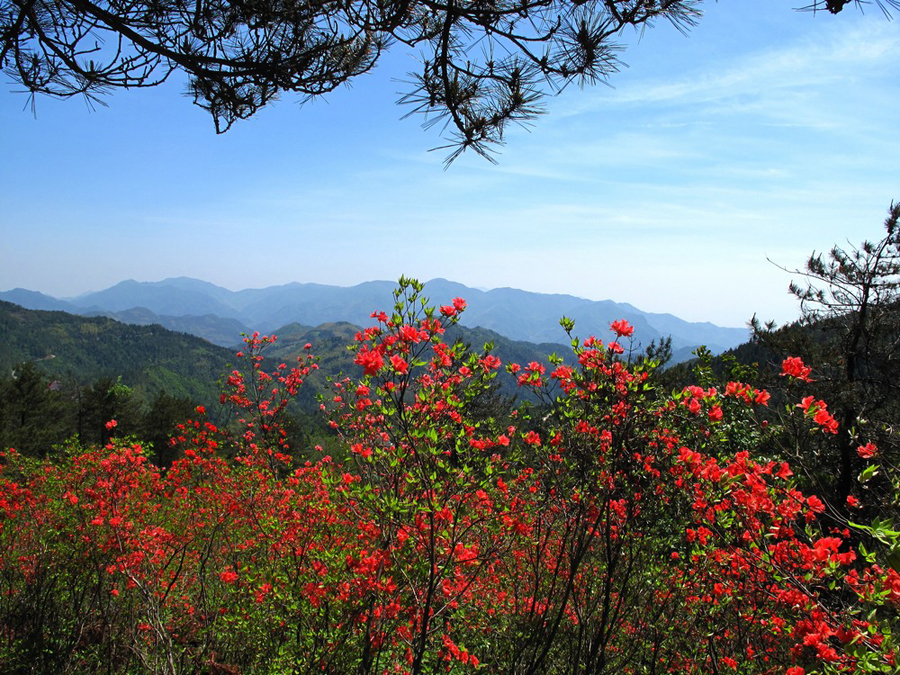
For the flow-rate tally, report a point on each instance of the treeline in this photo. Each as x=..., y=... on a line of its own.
x=39, y=415
x=44, y=417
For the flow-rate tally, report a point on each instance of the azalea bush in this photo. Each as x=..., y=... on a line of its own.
x=613, y=528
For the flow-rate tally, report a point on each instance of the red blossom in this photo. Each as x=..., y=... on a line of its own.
x=793, y=366
x=807, y=403
x=622, y=328
x=867, y=451
x=825, y=420
x=410, y=334
x=401, y=367
x=815, y=504
x=818, y=410
x=370, y=359
x=490, y=362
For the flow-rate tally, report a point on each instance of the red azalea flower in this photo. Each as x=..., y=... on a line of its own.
x=400, y=366
x=622, y=328
x=370, y=359
x=867, y=451
x=793, y=366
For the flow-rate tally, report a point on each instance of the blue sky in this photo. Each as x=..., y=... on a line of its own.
x=764, y=133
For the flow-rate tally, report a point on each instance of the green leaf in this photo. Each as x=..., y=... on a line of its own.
x=869, y=472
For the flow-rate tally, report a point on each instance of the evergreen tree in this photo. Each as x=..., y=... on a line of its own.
x=33, y=414
x=850, y=306
x=101, y=404
x=158, y=425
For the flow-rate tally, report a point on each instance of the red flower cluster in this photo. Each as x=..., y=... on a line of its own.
x=452, y=310
x=867, y=451
x=622, y=328
x=818, y=410
x=747, y=393
x=793, y=366
x=370, y=359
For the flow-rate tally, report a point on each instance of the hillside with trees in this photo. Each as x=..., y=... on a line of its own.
x=849, y=328
x=147, y=358
x=64, y=376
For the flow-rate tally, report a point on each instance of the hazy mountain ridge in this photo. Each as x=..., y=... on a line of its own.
x=221, y=331
x=210, y=311
x=35, y=300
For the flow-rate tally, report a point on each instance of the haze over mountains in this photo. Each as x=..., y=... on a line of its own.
x=220, y=315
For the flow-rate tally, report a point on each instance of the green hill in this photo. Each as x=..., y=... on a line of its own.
x=149, y=359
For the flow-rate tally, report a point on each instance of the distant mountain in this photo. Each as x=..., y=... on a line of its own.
x=35, y=300
x=190, y=305
x=171, y=297
x=313, y=304
x=535, y=317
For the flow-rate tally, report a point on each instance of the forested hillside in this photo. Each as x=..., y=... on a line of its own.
x=147, y=358
x=150, y=359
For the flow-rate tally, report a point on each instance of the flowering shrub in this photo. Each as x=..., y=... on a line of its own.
x=615, y=529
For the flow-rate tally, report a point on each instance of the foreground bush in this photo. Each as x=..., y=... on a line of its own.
x=619, y=529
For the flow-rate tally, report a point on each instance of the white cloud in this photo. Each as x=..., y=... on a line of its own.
x=821, y=59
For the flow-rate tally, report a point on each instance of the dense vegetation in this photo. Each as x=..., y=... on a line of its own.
x=616, y=528
x=609, y=524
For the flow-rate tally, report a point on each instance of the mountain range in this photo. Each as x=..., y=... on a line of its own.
x=220, y=315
